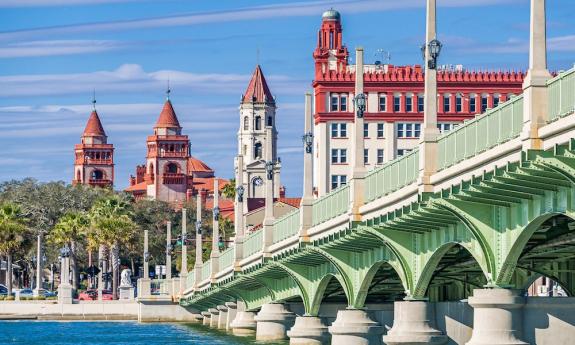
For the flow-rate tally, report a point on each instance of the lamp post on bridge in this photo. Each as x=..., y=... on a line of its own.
x=215, y=253
x=199, y=261
x=269, y=218
x=184, y=263
x=306, y=216
x=239, y=213
x=169, y=249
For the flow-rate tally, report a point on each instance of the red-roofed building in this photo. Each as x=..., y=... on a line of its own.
x=171, y=174
x=94, y=157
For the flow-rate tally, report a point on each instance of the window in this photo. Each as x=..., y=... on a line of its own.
x=246, y=123
x=380, y=133
x=258, y=151
x=172, y=168
x=396, y=103
x=408, y=130
x=334, y=102
x=495, y=100
x=458, y=103
x=446, y=103
x=338, y=156
x=420, y=103
x=343, y=103
x=338, y=181
x=483, y=103
x=444, y=127
x=339, y=130
x=97, y=175
x=402, y=152
x=365, y=156
x=270, y=121
x=408, y=104
x=383, y=102
x=472, y=105
x=331, y=40
x=365, y=130
x=258, y=123
x=379, y=156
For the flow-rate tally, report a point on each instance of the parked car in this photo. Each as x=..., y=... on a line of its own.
x=3, y=290
x=27, y=292
x=92, y=295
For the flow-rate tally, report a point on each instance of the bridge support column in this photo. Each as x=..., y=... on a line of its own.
x=222, y=317
x=244, y=324
x=412, y=322
x=214, y=317
x=232, y=311
x=354, y=326
x=497, y=317
x=273, y=321
x=308, y=330
x=207, y=318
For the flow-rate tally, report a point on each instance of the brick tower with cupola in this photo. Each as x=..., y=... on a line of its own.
x=168, y=152
x=94, y=157
x=330, y=54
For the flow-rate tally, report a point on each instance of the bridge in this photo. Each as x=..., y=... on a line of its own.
x=455, y=230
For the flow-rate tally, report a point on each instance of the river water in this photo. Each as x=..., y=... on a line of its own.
x=117, y=333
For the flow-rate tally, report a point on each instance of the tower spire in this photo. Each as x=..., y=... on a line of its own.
x=94, y=99
x=168, y=90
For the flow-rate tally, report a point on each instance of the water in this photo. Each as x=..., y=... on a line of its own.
x=117, y=333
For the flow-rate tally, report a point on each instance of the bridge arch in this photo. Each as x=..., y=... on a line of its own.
x=370, y=276
x=318, y=295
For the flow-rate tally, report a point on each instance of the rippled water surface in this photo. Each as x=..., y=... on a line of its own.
x=120, y=333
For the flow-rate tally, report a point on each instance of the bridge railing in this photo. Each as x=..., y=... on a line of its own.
x=206, y=270
x=496, y=126
x=561, y=95
x=226, y=258
x=392, y=176
x=331, y=205
x=286, y=226
x=191, y=279
x=161, y=287
x=253, y=243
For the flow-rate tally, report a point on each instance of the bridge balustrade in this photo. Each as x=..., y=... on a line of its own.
x=494, y=127
x=226, y=258
x=331, y=205
x=561, y=95
x=392, y=176
x=161, y=287
x=191, y=279
x=253, y=243
x=206, y=270
x=286, y=226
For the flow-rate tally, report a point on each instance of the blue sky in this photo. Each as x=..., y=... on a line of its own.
x=53, y=53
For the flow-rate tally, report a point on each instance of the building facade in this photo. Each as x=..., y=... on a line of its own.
x=170, y=173
x=94, y=157
x=394, y=109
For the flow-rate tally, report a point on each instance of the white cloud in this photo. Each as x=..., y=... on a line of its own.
x=47, y=3
x=133, y=79
x=56, y=47
x=293, y=9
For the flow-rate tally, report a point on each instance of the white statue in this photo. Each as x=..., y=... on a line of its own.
x=126, y=277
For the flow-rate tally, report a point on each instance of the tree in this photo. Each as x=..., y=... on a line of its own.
x=113, y=227
x=229, y=190
x=12, y=235
x=69, y=231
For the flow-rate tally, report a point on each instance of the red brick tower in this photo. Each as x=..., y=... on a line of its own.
x=94, y=163
x=330, y=53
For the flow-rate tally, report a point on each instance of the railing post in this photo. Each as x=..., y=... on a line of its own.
x=428, y=154
x=306, y=205
x=239, y=214
x=269, y=196
x=535, y=111
x=184, y=264
x=215, y=254
x=198, y=264
x=169, y=250
x=357, y=181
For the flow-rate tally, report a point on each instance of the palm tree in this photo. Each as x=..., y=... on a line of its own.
x=229, y=190
x=69, y=231
x=112, y=223
x=12, y=234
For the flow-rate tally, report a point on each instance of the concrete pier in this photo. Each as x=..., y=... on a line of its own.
x=273, y=322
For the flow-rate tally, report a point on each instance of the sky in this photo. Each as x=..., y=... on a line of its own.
x=54, y=53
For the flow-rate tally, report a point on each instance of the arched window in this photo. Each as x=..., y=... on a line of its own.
x=270, y=121
x=246, y=123
x=172, y=168
x=151, y=169
x=97, y=175
x=331, y=42
x=171, y=148
x=78, y=175
x=258, y=123
x=258, y=151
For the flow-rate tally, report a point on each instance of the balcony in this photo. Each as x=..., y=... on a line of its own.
x=171, y=178
x=181, y=154
x=100, y=183
x=98, y=161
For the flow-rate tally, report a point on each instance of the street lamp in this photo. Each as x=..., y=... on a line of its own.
x=216, y=212
x=240, y=191
x=270, y=169
x=65, y=251
x=308, y=141
x=146, y=256
x=434, y=50
x=199, y=227
x=360, y=104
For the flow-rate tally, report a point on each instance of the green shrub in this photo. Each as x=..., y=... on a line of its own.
x=52, y=298
x=2, y=298
x=39, y=298
x=10, y=298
